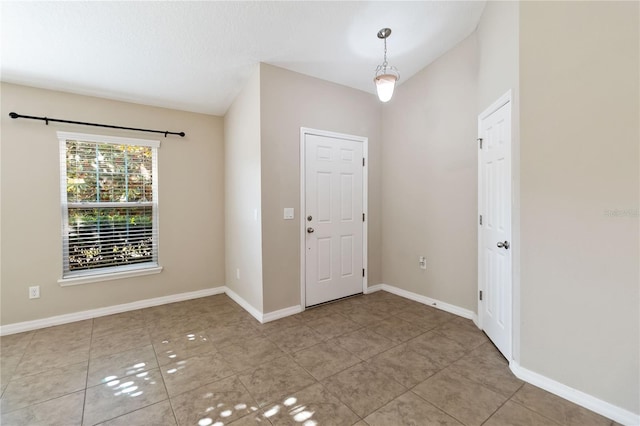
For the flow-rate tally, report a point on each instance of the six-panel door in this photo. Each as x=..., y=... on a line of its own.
x=334, y=202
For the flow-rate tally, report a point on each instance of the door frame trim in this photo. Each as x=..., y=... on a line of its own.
x=506, y=98
x=365, y=207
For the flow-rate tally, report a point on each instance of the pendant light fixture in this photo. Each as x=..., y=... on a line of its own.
x=386, y=75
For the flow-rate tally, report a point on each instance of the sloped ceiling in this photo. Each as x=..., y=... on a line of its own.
x=197, y=56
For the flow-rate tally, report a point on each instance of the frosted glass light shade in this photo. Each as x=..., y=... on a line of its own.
x=385, y=84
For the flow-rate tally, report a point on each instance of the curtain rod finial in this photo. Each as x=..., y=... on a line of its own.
x=13, y=115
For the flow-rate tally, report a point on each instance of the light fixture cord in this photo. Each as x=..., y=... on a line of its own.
x=384, y=64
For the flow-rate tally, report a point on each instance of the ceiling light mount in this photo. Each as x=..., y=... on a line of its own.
x=384, y=33
x=386, y=75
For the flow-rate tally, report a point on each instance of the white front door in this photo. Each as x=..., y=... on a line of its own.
x=494, y=232
x=333, y=217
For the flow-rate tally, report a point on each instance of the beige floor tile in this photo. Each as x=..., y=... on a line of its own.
x=363, y=389
x=110, y=367
x=159, y=414
x=34, y=362
x=119, y=341
x=333, y=325
x=166, y=328
x=325, y=359
x=512, y=414
x=209, y=353
x=122, y=396
x=228, y=315
x=409, y=409
x=194, y=372
x=8, y=365
x=252, y=419
x=351, y=301
x=222, y=335
x=364, y=315
x=316, y=312
x=219, y=299
x=424, y=317
x=181, y=346
x=396, y=329
x=556, y=408
x=437, y=348
x=277, y=325
x=162, y=313
x=390, y=306
x=223, y=401
x=467, y=334
x=486, y=371
x=404, y=365
x=364, y=343
x=459, y=397
x=118, y=322
x=60, y=335
x=63, y=411
x=275, y=379
x=250, y=353
x=225, y=315
x=15, y=344
x=28, y=390
x=296, y=338
x=312, y=405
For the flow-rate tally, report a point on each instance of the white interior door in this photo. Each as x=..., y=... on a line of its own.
x=334, y=218
x=494, y=232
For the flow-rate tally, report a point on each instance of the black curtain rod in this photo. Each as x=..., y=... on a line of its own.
x=47, y=120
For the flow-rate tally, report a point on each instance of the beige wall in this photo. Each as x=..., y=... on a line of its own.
x=243, y=227
x=498, y=73
x=429, y=187
x=289, y=101
x=579, y=144
x=190, y=196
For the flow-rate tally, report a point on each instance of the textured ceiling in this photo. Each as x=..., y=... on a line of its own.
x=197, y=56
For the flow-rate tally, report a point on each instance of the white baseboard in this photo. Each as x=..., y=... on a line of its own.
x=373, y=288
x=453, y=309
x=20, y=327
x=281, y=313
x=245, y=305
x=585, y=400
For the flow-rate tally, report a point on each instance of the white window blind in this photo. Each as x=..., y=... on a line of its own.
x=109, y=194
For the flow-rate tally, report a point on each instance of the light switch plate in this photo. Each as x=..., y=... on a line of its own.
x=288, y=213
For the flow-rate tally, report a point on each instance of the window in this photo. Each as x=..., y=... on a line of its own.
x=109, y=193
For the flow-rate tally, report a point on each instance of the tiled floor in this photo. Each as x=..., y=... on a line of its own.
x=369, y=360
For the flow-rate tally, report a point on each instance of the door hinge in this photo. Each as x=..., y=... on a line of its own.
x=363, y=272
x=362, y=161
x=363, y=217
x=480, y=219
x=480, y=142
x=480, y=294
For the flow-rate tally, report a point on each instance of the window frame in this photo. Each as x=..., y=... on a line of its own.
x=106, y=273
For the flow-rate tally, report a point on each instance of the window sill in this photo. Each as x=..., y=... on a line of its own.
x=94, y=278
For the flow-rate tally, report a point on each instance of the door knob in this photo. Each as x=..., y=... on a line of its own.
x=504, y=245
x=309, y=230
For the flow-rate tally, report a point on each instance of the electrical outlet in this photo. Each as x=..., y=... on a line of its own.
x=34, y=292
x=422, y=262
x=237, y=273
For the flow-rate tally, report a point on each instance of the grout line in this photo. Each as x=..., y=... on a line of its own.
x=10, y=379
x=86, y=379
x=502, y=405
x=436, y=407
x=155, y=354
